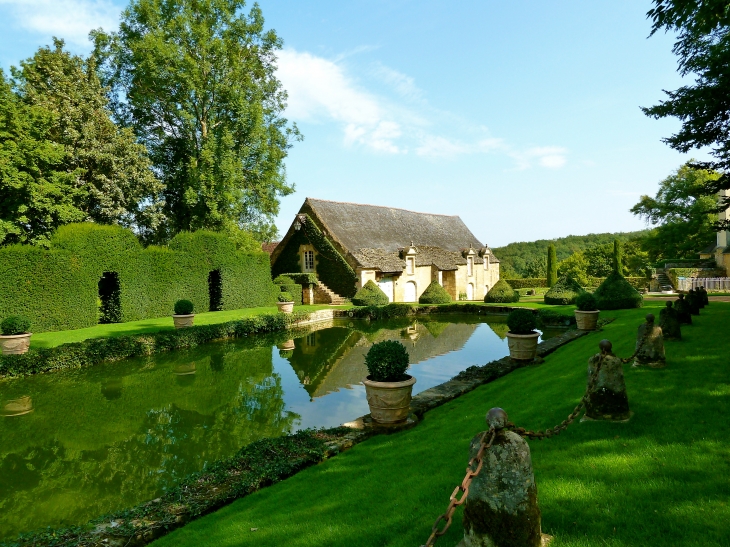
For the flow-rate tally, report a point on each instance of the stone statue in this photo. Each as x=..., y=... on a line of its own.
x=650, y=345
x=607, y=399
x=501, y=507
x=683, y=310
x=705, y=299
x=693, y=302
x=669, y=322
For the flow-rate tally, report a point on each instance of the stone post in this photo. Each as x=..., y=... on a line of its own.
x=607, y=399
x=650, y=345
x=501, y=508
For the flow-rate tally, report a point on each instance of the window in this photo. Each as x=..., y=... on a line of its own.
x=470, y=266
x=486, y=262
x=410, y=265
x=308, y=261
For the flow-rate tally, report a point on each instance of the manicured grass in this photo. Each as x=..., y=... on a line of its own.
x=51, y=339
x=660, y=479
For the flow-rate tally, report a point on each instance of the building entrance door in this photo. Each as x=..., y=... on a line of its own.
x=470, y=291
x=410, y=293
x=386, y=285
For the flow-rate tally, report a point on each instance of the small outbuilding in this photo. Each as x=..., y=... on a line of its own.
x=347, y=244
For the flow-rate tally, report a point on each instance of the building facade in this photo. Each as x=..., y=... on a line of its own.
x=720, y=251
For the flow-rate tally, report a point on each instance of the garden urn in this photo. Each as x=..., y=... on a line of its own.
x=586, y=320
x=389, y=402
x=15, y=344
x=183, y=321
x=522, y=347
x=285, y=307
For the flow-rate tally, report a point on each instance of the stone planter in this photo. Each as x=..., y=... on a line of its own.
x=18, y=407
x=586, y=320
x=522, y=347
x=15, y=344
x=285, y=307
x=183, y=321
x=389, y=402
x=287, y=346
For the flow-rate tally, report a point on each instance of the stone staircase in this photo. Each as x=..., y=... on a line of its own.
x=665, y=284
x=324, y=295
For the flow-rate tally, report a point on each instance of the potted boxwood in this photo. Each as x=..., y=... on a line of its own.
x=183, y=316
x=15, y=338
x=522, y=337
x=388, y=387
x=285, y=302
x=586, y=313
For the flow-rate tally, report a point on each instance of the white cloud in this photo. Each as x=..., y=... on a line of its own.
x=403, y=84
x=68, y=19
x=552, y=157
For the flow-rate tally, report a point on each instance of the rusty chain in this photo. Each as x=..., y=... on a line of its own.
x=454, y=502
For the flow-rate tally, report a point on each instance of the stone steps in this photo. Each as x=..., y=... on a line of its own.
x=324, y=295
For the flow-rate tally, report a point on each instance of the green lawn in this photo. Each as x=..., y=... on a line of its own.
x=51, y=339
x=660, y=479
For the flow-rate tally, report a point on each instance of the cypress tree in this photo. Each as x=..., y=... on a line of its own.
x=618, y=264
x=552, y=266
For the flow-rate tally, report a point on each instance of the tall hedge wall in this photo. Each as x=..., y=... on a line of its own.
x=58, y=288
x=527, y=282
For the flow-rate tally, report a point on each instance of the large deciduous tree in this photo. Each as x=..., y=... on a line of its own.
x=196, y=81
x=703, y=48
x=681, y=212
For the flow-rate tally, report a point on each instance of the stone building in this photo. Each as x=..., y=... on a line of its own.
x=348, y=244
x=720, y=250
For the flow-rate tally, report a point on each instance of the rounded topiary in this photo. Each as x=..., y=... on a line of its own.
x=183, y=307
x=502, y=293
x=284, y=296
x=283, y=280
x=387, y=361
x=434, y=294
x=521, y=321
x=615, y=293
x=565, y=291
x=586, y=302
x=15, y=324
x=370, y=295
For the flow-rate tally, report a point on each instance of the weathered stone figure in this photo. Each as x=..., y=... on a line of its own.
x=682, y=310
x=669, y=323
x=607, y=399
x=703, y=294
x=501, y=508
x=693, y=302
x=650, y=345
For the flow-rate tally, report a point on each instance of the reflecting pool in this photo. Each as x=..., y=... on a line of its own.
x=75, y=445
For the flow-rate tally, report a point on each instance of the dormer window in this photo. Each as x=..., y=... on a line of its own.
x=486, y=261
x=410, y=265
x=470, y=266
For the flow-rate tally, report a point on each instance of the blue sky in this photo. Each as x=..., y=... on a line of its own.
x=522, y=117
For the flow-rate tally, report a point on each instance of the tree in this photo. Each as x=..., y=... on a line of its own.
x=38, y=193
x=618, y=261
x=552, y=266
x=680, y=212
x=703, y=48
x=111, y=171
x=196, y=81
x=575, y=266
x=535, y=267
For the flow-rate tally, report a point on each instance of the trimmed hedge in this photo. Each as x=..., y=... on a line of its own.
x=303, y=279
x=565, y=291
x=287, y=285
x=615, y=293
x=636, y=282
x=370, y=295
x=502, y=293
x=434, y=294
x=58, y=288
x=96, y=350
x=527, y=283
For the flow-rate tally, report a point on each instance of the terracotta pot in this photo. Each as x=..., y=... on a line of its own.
x=285, y=307
x=586, y=320
x=183, y=321
x=15, y=344
x=522, y=347
x=389, y=402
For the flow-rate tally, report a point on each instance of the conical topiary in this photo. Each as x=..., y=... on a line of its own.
x=565, y=291
x=434, y=294
x=370, y=295
x=615, y=293
x=502, y=293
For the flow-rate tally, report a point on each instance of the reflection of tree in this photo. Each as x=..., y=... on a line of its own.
x=499, y=326
x=435, y=327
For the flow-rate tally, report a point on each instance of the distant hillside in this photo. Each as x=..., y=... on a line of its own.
x=516, y=256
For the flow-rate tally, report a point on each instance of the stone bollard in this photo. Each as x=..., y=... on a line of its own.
x=501, y=507
x=669, y=322
x=693, y=301
x=705, y=298
x=607, y=399
x=650, y=345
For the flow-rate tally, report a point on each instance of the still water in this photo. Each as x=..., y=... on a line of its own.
x=79, y=444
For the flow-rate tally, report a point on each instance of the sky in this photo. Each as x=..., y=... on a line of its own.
x=521, y=117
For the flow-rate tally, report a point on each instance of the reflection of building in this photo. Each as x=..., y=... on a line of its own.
x=339, y=360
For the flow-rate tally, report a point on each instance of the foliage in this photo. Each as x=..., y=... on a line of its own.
x=58, y=288
x=618, y=261
x=304, y=279
x=288, y=285
x=502, y=293
x=702, y=28
x=550, y=318
x=284, y=296
x=576, y=266
x=283, y=280
x=527, y=283
x=681, y=214
x=15, y=324
x=387, y=361
x=515, y=256
x=434, y=294
x=599, y=262
x=183, y=307
x=615, y=293
x=521, y=321
x=552, y=266
x=586, y=302
x=370, y=295
x=565, y=291
x=535, y=267
x=197, y=82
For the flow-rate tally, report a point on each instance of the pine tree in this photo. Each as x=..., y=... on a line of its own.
x=552, y=266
